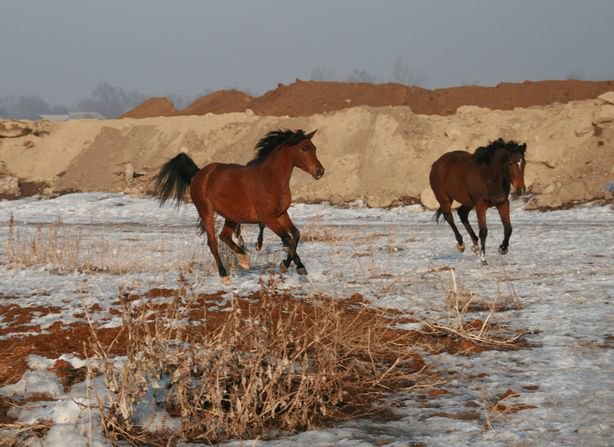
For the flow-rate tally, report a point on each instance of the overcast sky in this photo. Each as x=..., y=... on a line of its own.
x=62, y=49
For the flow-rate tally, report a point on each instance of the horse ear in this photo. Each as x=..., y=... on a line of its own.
x=311, y=134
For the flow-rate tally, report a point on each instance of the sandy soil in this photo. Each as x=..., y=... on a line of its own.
x=381, y=155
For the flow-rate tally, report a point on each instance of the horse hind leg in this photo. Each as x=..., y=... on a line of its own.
x=463, y=214
x=206, y=216
x=229, y=229
x=240, y=240
x=446, y=210
x=260, y=237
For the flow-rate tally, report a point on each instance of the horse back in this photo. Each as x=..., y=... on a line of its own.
x=231, y=190
x=449, y=177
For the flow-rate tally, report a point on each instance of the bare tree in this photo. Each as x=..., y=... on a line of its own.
x=111, y=101
x=403, y=74
x=362, y=76
x=322, y=74
x=31, y=107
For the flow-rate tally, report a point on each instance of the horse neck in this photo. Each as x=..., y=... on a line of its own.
x=278, y=166
x=498, y=172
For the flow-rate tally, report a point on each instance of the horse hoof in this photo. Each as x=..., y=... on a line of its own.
x=460, y=247
x=502, y=251
x=283, y=268
x=226, y=280
x=244, y=261
x=301, y=271
x=484, y=261
x=475, y=249
x=258, y=247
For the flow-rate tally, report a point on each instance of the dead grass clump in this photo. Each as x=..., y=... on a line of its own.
x=271, y=363
x=72, y=248
x=470, y=335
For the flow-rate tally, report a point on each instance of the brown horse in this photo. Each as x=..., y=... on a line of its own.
x=255, y=193
x=481, y=180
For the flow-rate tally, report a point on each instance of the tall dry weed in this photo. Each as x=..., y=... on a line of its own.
x=274, y=364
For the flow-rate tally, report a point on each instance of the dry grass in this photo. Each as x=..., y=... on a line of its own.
x=478, y=334
x=276, y=364
x=73, y=248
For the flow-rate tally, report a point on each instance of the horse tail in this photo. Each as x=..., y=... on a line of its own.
x=174, y=178
x=437, y=215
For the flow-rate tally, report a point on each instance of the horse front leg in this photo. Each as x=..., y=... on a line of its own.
x=504, y=213
x=285, y=222
x=289, y=235
x=480, y=210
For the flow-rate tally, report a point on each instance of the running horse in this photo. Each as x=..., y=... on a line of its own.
x=479, y=180
x=258, y=192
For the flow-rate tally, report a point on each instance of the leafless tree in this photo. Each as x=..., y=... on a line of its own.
x=403, y=74
x=111, y=101
x=322, y=74
x=362, y=76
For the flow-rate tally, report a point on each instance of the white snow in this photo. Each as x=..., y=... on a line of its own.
x=560, y=269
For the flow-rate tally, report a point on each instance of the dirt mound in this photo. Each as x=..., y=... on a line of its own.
x=221, y=101
x=307, y=98
x=304, y=98
x=157, y=106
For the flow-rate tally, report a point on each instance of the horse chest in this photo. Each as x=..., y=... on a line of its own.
x=283, y=204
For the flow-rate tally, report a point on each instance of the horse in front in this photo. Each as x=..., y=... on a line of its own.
x=256, y=193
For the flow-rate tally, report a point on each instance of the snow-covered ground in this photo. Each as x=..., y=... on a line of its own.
x=560, y=270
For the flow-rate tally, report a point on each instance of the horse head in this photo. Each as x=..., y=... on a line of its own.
x=515, y=165
x=304, y=156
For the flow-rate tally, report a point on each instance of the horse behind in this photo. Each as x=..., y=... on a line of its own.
x=258, y=192
x=479, y=180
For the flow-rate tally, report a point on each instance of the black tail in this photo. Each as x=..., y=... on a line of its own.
x=437, y=215
x=174, y=178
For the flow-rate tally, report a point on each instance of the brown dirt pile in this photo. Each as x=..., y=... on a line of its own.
x=153, y=107
x=304, y=98
x=221, y=101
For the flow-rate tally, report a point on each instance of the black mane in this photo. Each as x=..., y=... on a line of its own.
x=485, y=153
x=275, y=139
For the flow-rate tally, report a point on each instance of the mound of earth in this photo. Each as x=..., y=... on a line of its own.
x=158, y=106
x=380, y=155
x=221, y=101
x=305, y=98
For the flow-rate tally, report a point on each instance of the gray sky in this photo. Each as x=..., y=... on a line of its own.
x=62, y=49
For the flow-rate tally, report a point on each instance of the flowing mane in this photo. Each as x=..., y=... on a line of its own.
x=485, y=153
x=275, y=139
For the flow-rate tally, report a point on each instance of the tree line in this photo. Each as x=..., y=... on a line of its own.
x=111, y=101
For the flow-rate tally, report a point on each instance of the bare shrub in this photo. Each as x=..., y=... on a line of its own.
x=269, y=363
x=480, y=333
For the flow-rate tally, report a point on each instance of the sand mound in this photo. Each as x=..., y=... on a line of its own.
x=304, y=98
x=221, y=101
x=380, y=155
x=158, y=106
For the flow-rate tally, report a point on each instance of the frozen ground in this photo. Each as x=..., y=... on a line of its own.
x=560, y=269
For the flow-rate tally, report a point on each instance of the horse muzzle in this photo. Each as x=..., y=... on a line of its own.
x=318, y=174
